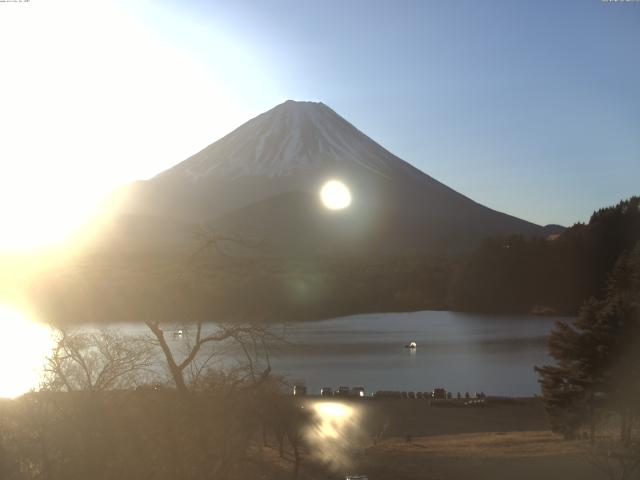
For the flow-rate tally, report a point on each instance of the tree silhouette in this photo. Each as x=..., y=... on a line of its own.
x=598, y=364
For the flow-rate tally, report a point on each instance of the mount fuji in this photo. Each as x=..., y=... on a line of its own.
x=263, y=180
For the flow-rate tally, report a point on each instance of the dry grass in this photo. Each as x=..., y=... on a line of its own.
x=527, y=455
x=524, y=455
x=484, y=445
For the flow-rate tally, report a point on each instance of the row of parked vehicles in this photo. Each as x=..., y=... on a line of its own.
x=359, y=391
x=341, y=391
x=436, y=394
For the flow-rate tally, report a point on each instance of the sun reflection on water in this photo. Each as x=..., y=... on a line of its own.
x=24, y=346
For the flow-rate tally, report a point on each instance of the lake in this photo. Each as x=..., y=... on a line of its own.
x=494, y=354
x=461, y=352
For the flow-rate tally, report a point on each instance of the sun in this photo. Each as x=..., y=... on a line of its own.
x=335, y=195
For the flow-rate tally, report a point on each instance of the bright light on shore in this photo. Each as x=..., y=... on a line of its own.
x=337, y=433
x=335, y=195
x=331, y=410
x=24, y=346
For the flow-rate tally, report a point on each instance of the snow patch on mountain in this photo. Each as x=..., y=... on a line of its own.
x=284, y=140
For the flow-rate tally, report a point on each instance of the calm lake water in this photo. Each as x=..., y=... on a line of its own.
x=458, y=351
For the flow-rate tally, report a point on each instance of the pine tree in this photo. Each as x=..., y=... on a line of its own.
x=597, y=356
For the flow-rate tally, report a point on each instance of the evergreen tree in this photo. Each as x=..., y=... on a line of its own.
x=555, y=275
x=597, y=356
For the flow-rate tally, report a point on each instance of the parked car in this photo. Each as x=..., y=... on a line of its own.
x=439, y=394
x=299, y=390
x=386, y=394
x=342, y=391
x=357, y=391
x=326, y=392
x=411, y=395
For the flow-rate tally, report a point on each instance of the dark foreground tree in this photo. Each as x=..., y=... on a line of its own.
x=598, y=361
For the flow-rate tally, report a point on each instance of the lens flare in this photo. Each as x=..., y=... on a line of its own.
x=335, y=195
x=333, y=410
x=337, y=433
x=24, y=346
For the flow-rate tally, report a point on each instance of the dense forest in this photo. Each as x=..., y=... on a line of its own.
x=596, y=371
x=546, y=275
x=511, y=274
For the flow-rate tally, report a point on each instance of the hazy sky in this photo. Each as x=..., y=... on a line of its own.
x=532, y=108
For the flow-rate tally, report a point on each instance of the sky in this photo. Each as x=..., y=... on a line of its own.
x=531, y=108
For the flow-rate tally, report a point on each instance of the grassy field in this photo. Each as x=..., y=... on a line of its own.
x=412, y=440
x=163, y=435
x=490, y=455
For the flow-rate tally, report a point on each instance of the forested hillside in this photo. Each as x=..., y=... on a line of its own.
x=546, y=275
x=505, y=274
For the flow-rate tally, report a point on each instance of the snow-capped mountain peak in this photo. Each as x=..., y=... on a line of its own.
x=290, y=137
x=263, y=180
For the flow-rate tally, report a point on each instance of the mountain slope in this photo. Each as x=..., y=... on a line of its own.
x=262, y=180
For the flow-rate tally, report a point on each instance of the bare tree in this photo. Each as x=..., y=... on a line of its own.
x=378, y=435
x=97, y=361
x=211, y=341
x=204, y=342
x=615, y=459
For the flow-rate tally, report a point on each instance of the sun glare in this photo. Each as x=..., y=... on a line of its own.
x=336, y=433
x=86, y=109
x=333, y=419
x=332, y=410
x=24, y=346
x=335, y=195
